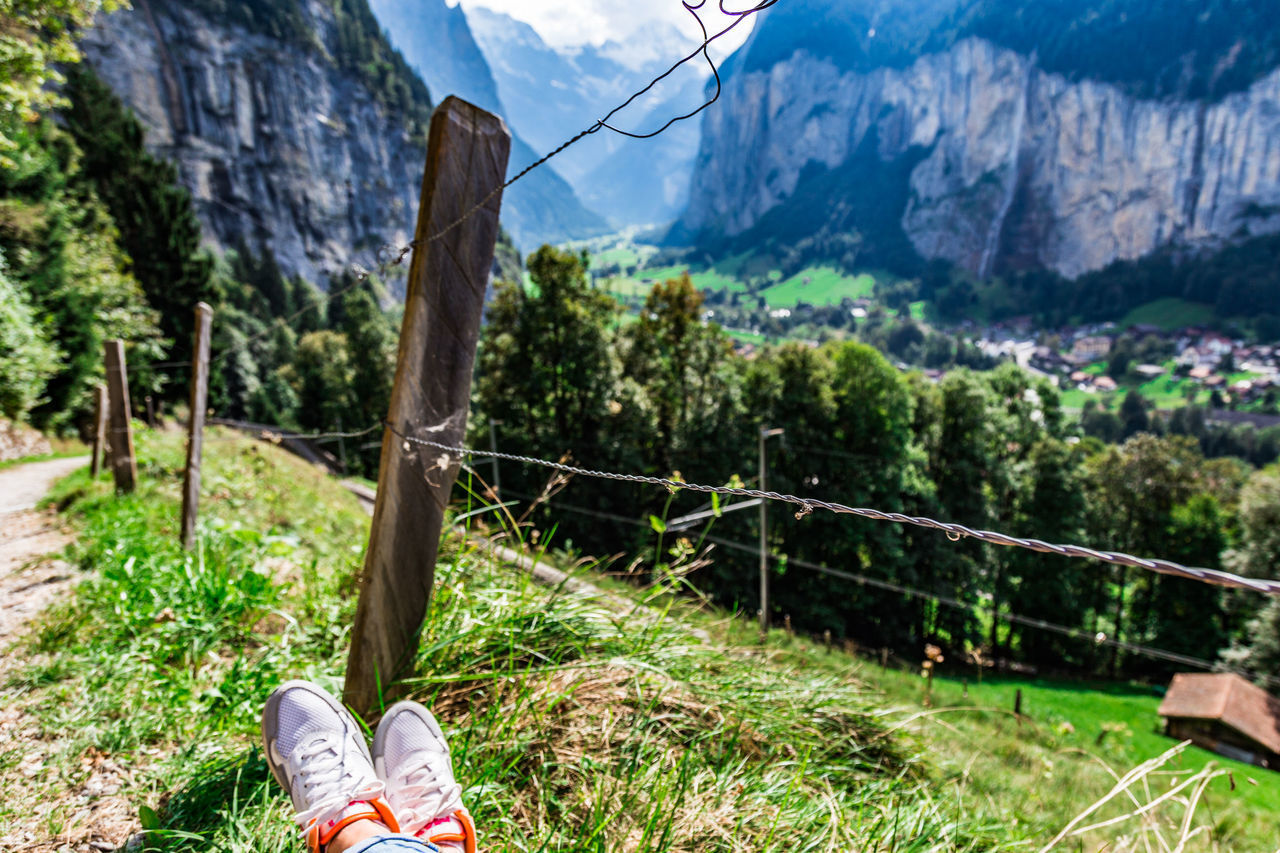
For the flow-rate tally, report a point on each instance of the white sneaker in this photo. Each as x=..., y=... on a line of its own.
x=411, y=756
x=317, y=753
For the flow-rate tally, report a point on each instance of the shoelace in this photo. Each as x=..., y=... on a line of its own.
x=423, y=794
x=320, y=768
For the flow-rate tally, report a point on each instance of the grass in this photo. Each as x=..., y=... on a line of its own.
x=819, y=286
x=642, y=282
x=1170, y=313
x=574, y=726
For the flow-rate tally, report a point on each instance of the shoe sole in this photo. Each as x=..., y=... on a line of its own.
x=271, y=720
x=379, y=736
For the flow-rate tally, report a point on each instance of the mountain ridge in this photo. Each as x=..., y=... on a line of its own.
x=1019, y=168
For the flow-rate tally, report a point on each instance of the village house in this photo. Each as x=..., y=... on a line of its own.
x=1226, y=714
x=1091, y=348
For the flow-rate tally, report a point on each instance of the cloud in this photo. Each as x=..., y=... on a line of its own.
x=565, y=24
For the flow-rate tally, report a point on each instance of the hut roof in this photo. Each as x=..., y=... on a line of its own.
x=1228, y=698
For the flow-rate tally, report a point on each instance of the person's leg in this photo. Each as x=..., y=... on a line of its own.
x=317, y=753
x=411, y=756
x=354, y=840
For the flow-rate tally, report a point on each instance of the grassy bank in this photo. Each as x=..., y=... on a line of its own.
x=574, y=726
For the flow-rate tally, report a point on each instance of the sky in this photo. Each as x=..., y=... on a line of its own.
x=569, y=23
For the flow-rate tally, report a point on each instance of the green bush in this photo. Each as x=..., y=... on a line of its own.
x=27, y=359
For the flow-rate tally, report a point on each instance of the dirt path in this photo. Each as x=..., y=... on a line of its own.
x=31, y=576
x=28, y=582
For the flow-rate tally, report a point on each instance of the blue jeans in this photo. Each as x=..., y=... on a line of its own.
x=393, y=844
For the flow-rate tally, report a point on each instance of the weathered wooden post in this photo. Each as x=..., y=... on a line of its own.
x=120, y=420
x=99, y=431
x=195, y=423
x=466, y=161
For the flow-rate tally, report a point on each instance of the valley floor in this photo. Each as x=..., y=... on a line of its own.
x=574, y=726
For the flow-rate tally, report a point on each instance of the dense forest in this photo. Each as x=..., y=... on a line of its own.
x=1150, y=48
x=560, y=376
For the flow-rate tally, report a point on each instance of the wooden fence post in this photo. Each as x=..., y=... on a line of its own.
x=119, y=422
x=195, y=423
x=99, y=431
x=466, y=162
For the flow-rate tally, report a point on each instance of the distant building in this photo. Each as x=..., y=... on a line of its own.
x=1149, y=371
x=1225, y=714
x=1091, y=348
x=1105, y=383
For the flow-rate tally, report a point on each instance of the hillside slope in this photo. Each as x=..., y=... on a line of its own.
x=568, y=720
x=987, y=147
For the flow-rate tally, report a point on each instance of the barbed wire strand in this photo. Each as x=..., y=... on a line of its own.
x=954, y=532
x=271, y=434
x=971, y=607
x=979, y=610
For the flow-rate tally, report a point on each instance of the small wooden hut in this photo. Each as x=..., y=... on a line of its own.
x=1224, y=713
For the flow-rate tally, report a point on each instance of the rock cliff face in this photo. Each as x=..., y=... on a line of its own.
x=282, y=148
x=279, y=148
x=1010, y=167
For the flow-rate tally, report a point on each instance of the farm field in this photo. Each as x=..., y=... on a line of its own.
x=818, y=286
x=639, y=285
x=1169, y=314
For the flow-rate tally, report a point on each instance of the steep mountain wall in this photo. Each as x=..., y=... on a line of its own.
x=1006, y=166
x=278, y=146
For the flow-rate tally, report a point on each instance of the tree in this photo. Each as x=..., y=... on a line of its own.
x=39, y=37
x=1133, y=490
x=1258, y=554
x=675, y=359
x=1187, y=616
x=322, y=377
x=1052, y=508
x=1133, y=414
x=547, y=368
x=961, y=467
x=27, y=359
x=372, y=344
x=60, y=244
